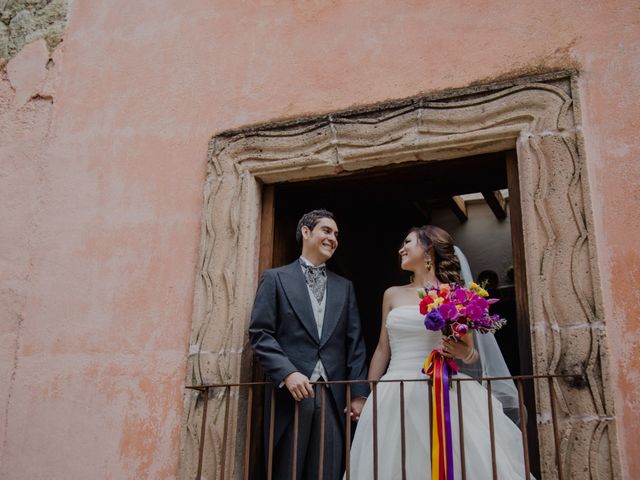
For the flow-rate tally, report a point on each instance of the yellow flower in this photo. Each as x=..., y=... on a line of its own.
x=436, y=303
x=478, y=289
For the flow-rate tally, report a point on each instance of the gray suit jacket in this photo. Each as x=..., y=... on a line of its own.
x=284, y=335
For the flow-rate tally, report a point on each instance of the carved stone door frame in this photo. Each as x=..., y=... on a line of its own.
x=540, y=118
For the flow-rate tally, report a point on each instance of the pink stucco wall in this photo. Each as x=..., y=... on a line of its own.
x=102, y=173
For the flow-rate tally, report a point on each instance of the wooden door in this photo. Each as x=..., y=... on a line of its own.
x=522, y=305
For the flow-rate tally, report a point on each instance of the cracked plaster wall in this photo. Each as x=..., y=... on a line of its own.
x=25, y=21
x=26, y=107
x=103, y=144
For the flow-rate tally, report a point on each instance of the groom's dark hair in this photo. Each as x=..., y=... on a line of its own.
x=310, y=220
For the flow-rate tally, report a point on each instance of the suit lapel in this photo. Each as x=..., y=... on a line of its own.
x=295, y=288
x=335, y=303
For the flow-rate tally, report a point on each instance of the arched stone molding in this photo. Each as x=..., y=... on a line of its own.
x=536, y=116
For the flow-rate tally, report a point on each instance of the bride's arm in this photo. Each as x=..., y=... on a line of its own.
x=382, y=354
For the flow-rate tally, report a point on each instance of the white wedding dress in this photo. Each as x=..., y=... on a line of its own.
x=410, y=345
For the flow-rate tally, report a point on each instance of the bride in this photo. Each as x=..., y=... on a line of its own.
x=428, y=252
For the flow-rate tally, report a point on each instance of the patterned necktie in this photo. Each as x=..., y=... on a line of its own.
x=316, y=278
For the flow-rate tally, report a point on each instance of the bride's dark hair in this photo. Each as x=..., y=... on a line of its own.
x=446, y=261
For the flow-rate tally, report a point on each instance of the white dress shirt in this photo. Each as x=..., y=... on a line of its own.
x=318, y=313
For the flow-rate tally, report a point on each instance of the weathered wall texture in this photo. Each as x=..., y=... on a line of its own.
x=25, y=21
x=103, y=152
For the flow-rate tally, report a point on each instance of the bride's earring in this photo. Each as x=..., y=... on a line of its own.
x=428, y=264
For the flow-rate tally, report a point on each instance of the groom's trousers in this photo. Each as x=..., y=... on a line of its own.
x=308, y=457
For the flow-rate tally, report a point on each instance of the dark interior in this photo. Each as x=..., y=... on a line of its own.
x=374, y=211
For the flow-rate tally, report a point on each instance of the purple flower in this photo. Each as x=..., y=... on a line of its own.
x=473, y=312
x=476, y=309
x=460, y=295
x=434, y=320
x=497, y=322
x=484, y=321
x=480, y=302
x=448, y=311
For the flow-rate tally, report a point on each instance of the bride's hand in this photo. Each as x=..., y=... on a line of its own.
x=453, y=348
x=356, y=407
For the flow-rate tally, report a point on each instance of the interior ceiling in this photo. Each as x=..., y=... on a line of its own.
x=433, y=181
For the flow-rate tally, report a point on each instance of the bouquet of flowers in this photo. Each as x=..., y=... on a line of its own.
x=456, y=310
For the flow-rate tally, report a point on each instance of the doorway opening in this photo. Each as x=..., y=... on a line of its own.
x=475, y=199
x=375, y=210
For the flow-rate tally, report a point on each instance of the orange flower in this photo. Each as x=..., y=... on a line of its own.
x=445, y=290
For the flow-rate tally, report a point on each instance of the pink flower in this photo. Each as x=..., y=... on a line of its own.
x=459, y=329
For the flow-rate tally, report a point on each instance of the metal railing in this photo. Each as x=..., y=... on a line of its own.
x=251, y=387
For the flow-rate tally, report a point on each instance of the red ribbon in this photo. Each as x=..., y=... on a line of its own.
x=439, y=368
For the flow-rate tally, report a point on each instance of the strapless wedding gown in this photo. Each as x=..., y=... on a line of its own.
x=410, y=345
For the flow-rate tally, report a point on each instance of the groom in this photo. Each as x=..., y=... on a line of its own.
x=305, y=327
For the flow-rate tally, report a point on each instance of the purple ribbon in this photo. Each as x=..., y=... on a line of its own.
x=447, y=421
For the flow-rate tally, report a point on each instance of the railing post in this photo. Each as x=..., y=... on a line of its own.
x=523, y=428
x=374, y=393
x=205, y=393
x=272, y=420
x=225, y=429
x=347, y=440
x=430, y=397
x=494, y=467
x=463, y=466
x=294, y=447
x=247, y=438
x=321, y=453
x=554, y=419
x=403, y=455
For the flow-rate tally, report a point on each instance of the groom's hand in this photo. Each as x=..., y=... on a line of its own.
x=299, y=386
x=356, y=407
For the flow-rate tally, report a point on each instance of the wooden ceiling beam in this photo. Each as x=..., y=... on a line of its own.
x=497, y=203
x=459, y=208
